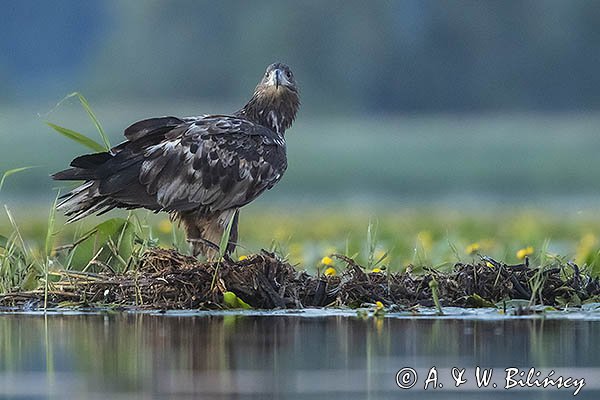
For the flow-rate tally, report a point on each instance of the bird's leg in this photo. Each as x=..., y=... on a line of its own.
x=205, y=232
x=192, y=234
x=194, y=231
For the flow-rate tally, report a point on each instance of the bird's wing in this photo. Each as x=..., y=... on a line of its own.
x=151, y=126
x=216, y=162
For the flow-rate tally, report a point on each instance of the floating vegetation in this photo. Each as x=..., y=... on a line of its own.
x=166, y=279
x=117, y=262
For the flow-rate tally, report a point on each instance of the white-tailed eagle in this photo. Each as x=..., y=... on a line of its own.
x=201, y=170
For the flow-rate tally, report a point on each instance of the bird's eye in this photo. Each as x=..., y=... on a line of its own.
x=288, y=74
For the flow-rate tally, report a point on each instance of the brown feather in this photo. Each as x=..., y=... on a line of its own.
x=201, y=169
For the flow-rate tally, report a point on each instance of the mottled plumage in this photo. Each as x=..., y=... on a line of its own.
x=199, y=169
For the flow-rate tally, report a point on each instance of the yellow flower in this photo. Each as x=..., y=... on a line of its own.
x=379, y=305
x=327, y=261
x=524, y=252
x=376, y=270
x=473, y=248
x=242, y=258
x=330, y=271
x=165, y=226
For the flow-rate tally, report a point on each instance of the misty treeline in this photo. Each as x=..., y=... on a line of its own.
x=375, y=56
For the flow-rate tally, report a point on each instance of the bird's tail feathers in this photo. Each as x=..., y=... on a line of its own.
x=84, y=168
x=74, y=174
x=84, y=200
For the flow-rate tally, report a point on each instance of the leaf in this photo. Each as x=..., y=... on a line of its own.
x=3, y=241
x=11, y=172
x=95, y=121
x=477, y=301
x=77, y=137
x=31, y=280
x=117, y=230
x=433, y=285
x=86, y=106
x=231, y=300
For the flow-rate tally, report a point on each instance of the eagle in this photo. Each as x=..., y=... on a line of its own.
x=200, y=170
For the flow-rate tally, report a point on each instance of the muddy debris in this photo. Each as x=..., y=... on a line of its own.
x=168, y=280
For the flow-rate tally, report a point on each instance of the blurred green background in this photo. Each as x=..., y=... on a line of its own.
x=402, y=100
x=462, y=111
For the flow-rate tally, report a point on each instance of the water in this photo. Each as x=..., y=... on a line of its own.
x=316, y=355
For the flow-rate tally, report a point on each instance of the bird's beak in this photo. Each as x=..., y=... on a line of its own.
x=277, y=76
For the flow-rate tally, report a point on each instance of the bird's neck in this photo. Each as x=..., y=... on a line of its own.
x=276, y=113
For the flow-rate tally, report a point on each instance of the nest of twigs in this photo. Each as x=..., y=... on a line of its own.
x=166, y=279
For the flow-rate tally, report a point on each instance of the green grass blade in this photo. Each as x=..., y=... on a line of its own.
x=11, y=172
x=433, y=284
x=77, y=137
x=49, y=242
x=371, y=242
x=380, y=259
x=48, y=246
x=223, y=247
x=16, y=229
x=95, y=121
x=86, y=106
x=225, y=237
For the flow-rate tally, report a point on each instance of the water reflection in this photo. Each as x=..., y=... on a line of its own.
x=233, y=356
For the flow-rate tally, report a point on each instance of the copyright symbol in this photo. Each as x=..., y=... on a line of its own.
x=406, y=378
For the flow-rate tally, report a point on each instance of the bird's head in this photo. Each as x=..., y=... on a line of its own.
x=275, y=101
x=278, y=79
